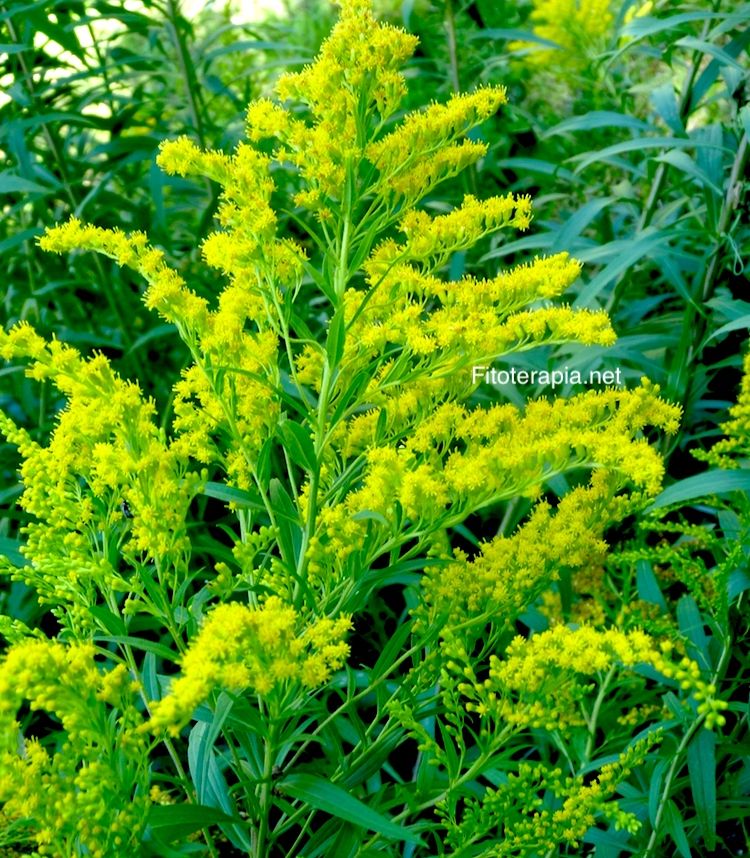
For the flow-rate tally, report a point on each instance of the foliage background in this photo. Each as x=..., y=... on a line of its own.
x=635, y=154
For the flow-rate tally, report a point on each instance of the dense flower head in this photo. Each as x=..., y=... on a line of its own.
x=577, y=27
x=538, y=681
x=451, y=460
x=106, y=450
x=90, y=793
x=167, y=292
x=241, y=648
x=509, y=572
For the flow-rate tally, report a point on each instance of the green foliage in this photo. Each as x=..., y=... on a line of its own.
x=270, y=499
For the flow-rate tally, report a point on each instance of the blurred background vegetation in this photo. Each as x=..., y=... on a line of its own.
x=629, y=129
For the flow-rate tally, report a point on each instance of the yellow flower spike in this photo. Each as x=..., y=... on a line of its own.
x=167, y=291
x=426, y=130
x=242, y=648
x=547, y=666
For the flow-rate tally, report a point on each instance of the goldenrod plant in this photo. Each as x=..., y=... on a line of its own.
x=222, y=672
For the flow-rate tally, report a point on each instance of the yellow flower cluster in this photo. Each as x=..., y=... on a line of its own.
x=232, y=364
x=728, y=452
x=431, y=240
x=241, y=648
x=354, y=77
x=578, y=27
x=457, y=461
x=537, y=683
x=350, y=90
x=511, y=571
x=167, y=291
x=247, y=249
x=405, y=157
x=105, y=450
x=91, y=795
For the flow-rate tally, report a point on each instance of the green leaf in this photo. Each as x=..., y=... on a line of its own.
x=654, y=793
x=298, y=444
x=648, y=586
x=336, y=337
x=577, y=222
x=691, y=625
x=676, y=830
x=370, y=515
x=633, y=251
x=714, y=482
x=11, y=548
x=323, y=795
x=639, y=28
x=156, y=333
x=636, y=145
x=200, y=752
x=665, y=104
x=173, y=821
x=10, y=184
x=535, y=165
x=744, y=116
x=713, y=50
x=140, y=643
x=110, y=622
x=701, y=758
x=231, y=495
x=738, y=582
x=738, y=324
x=682, y=161
x=501, y=33
x=598, y=119
x=289, y=526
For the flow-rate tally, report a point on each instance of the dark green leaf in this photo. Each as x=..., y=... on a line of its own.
x=11, y=548
x=336, y=337
x=10, y=184
x=701, y=757
x=674, y=827
x=598, y=119
x=323, y=795
x=171, y=821
x=715, y=482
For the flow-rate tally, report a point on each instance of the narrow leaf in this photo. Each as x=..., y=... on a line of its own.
x=323, y=795
x=170, y=821
x=676, y=830
x=598, y=119
x=701, y=758
x=714, y=482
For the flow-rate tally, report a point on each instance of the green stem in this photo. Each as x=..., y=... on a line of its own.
x=472, y=772
x=592, y=721
x=187, y=69
x=676, y=760
x=469, y=176
x=671, y=772
x=265, y=787
x=694, y=322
